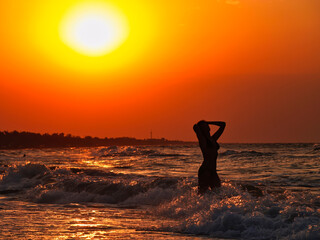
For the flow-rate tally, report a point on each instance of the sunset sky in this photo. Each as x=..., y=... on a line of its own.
x=252, y=63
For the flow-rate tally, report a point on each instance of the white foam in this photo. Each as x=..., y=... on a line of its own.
x=24, y=176
x=232, y=213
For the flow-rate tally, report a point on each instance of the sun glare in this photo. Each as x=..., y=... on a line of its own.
x=94, y=29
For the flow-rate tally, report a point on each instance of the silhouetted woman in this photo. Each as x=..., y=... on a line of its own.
x=207, y=174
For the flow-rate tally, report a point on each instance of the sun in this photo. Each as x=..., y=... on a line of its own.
x=94, y=29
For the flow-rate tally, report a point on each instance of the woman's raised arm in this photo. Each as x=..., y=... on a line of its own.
x=219, y=132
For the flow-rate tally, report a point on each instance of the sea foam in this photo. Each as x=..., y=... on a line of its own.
x=38, y=183
x=231, y=212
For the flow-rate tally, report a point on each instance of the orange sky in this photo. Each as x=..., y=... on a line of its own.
x=252, y=63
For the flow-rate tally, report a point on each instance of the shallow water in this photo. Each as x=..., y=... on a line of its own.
x=269, y=191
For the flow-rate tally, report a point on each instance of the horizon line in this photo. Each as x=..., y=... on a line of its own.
x=187, y=141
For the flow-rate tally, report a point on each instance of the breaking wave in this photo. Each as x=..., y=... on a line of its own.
x=38, y=183
x=231, y=212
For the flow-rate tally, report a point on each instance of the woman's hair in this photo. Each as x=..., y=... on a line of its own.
x=204, y=127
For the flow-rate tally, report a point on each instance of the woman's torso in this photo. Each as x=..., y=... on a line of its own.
x=210, y=154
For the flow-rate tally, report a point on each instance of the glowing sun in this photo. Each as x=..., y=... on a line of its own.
x=94, y=29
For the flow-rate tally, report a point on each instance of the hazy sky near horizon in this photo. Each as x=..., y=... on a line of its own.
x=252, y=63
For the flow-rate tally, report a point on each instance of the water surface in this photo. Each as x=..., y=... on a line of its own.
x=269, y=191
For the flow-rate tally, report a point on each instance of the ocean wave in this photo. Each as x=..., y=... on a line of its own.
x=316, y=147
x=38, y=183
x=129, y=151
x=298, y=156
x=233, y=153
x=18, y=178
x=231, y=212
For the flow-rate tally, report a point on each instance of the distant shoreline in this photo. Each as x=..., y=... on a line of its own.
x=24, y=140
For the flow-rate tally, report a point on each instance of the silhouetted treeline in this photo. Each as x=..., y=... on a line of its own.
x=15, y=139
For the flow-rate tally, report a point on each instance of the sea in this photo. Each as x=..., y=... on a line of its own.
x=269, y=191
